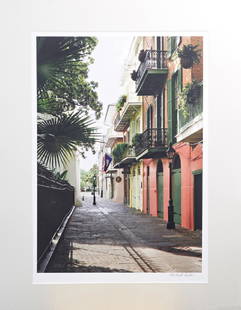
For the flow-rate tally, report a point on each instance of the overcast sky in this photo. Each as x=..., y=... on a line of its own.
x=109, y=54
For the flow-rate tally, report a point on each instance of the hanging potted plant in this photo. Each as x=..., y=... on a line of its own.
x=188, y=55
x=142, y=55
x=134, y=75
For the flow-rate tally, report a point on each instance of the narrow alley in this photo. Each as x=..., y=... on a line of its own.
x=109, y=237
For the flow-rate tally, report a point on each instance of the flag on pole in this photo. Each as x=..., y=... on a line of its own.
x=106, y=161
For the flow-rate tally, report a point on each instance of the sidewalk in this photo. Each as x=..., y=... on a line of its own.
x=110, y=237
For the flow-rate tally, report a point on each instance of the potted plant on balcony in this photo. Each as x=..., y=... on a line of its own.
x=119, y=151
x=188, y=55
x=142, y=55
x=182, y=100
x=188, y=96
x=121, y=102
x=194, y=92
x=134, y=75
x=137, y=139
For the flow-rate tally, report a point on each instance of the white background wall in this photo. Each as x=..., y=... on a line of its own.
x=73, y=176
x=118, y=186
x=222, y=21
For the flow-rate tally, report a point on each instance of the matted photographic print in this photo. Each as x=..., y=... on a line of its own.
x=120, y=158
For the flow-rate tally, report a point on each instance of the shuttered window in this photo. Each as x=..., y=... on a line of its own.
x=169, y=104
x=174, y=85
x=169, y=46
x=149, y=117
x=172, y=44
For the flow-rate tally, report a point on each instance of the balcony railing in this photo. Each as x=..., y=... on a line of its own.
x=117, y=119
x=127, y=157
x=193, y=110
x=123, y=117
x=112, y=136
x=153, y=60
x=152, y=139
x=148, y=81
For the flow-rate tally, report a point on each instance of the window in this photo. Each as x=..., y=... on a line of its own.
x=139, y=170
x=175, y=42
x=160, y=109
x=175, y=90
x=137, y=125
x=149, y=117
x=176, y=162
x=172, y=44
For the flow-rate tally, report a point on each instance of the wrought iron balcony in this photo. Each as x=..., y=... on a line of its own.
x=113, y=136
x=153, y=144
x=128, y=158
x=116, y=120
x=151, y=73
x=190, y=125
x=123, y=117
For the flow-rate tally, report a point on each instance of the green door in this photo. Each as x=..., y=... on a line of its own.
x=198, y=201
x=160, y=194
x=176, y=194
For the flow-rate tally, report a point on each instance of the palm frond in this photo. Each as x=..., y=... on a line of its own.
x=59, y=137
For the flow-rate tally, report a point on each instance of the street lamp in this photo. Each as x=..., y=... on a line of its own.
x=170, y=224
x=94, y=186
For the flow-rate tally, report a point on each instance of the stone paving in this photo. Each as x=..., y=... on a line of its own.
x=110, y=237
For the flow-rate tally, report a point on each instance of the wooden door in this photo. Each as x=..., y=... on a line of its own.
x=198, y=201
x=148, y=191
x=176, y=194
x=160, y=194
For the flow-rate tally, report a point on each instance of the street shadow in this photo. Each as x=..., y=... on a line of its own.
x=62, y=261
x=182, y=252
x=82, y=269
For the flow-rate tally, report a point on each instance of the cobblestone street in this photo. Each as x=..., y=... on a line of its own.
x=110, y=237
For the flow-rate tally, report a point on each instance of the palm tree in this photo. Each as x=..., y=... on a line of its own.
x=59, y=137
x=59, y=67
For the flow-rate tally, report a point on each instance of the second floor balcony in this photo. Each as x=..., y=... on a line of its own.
x=151, y=74
x=152, y=143
x=127, y=158
x=190, y=124
x=113, y=136
x=122, y=119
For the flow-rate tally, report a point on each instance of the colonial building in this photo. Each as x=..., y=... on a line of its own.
x=128, y=120
x=161, y=105
x=168, y=117
x=110, y=179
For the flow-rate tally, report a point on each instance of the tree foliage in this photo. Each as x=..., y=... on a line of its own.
x=87, y=177
x=62, y=72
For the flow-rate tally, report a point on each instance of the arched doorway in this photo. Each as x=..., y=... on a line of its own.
x=176, y=188
x=159, y=173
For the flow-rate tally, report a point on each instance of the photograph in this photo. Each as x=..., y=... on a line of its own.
x=119, y=153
